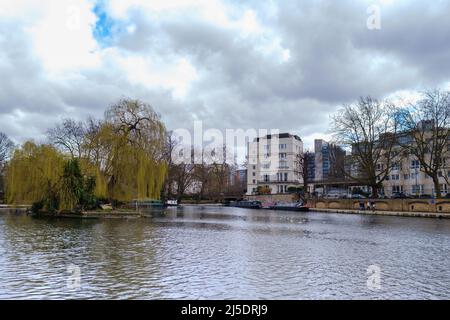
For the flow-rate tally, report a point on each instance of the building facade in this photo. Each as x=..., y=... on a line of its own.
x=328, y=167
x=274, y=164
x=406, y=176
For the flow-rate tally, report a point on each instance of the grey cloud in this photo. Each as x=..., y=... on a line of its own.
x=334, y=59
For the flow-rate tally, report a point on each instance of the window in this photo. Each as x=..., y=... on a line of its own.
x=282, y=155
x=254, y=173
x=395, y=177
x=266, y=178
x=396, y=189
x=285, y=176
x=417, y=189
x=254, y=181
x=283, y=146
x=266, y=166
x=283, y=165
x=415, y=164
x=406, y=176
x=254, y=167
x=396, y=166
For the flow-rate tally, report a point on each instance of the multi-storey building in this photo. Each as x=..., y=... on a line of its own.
x=328, y=168
x=274, y=164
x=406, y=176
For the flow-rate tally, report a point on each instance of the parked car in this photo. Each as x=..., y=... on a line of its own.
x=400, y=195
x=358, y=196
x=334, y=195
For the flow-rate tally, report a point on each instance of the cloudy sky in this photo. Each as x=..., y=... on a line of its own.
x=233, y=64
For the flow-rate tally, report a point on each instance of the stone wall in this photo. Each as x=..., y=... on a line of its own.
x=410, y=205
x=273, y=197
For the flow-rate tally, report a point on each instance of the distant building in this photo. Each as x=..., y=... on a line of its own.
x=274, y=164
x=406, y=174
x=329, y=161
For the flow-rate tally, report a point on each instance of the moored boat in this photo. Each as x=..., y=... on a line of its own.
x=290, y=206
x=250, y=204
x=172, y=203
x=147, y=203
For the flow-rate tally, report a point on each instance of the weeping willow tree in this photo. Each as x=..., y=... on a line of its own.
x=34, y=174
x=133, y=166
x=43, y=176
x=120, y=158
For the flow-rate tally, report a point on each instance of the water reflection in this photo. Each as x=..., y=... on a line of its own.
x=225, y=253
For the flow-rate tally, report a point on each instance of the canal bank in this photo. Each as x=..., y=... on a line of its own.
x=435, y=215
x=106, y=214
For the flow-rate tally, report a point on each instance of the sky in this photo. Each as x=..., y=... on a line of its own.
x=285, y=65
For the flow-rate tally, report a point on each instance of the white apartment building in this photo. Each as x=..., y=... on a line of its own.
x=407, y=177
x=273, y=163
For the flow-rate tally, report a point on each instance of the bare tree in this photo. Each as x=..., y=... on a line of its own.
x=6, y=146
x=68, y=136
x=202, y=174
x=303, y=168
x=368, y=128
x=425, y=133
x=180, y=173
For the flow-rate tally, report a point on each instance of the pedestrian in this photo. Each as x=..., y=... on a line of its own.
x=361, y=205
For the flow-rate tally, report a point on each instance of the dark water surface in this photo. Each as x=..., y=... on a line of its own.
x=225, y=253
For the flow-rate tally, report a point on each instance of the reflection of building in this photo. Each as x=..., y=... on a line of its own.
x=274, y=163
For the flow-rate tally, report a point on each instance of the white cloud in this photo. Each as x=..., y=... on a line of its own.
x=62, y=37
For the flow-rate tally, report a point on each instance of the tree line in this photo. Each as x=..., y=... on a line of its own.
x=114, y=159
x=381, y=135
x=129, y=155
x=125, y=156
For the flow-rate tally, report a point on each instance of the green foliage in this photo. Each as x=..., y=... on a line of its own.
x=263, y=190
x=33, y=174
x=118, y=159
x=77, y=191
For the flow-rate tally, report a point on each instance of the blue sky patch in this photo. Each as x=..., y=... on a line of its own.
x=105, y=27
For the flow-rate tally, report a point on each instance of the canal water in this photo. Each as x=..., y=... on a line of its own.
x=225, y=253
